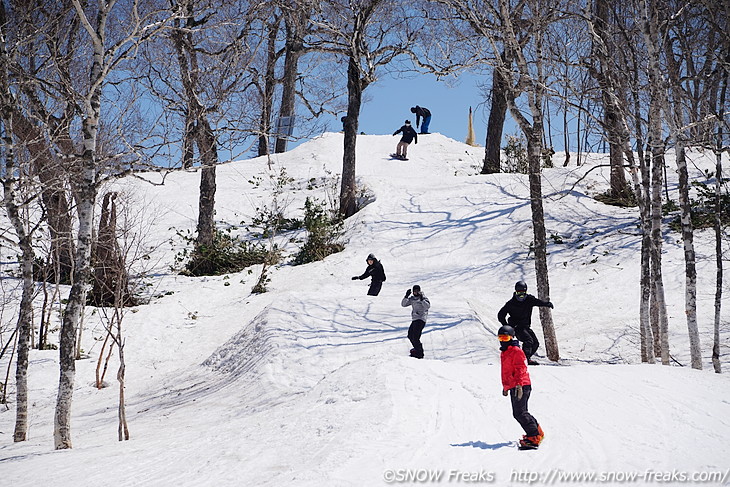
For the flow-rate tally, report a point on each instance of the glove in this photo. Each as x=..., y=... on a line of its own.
x=550, y=305
x=518, y=391
x=408, y=293
x=355, y=278
x=504, y=392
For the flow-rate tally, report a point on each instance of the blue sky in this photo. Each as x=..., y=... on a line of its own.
x=387, y=102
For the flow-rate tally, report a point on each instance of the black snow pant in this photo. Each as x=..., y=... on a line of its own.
x=520, y=413
x=529, y=340
x=375, y=287
x=414, y=335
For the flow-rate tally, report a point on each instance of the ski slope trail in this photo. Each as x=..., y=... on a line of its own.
x=310, y=384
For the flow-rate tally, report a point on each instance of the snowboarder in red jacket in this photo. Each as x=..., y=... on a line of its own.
x=516, y=383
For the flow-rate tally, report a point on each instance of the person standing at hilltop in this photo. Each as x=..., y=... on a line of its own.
x=425, y=113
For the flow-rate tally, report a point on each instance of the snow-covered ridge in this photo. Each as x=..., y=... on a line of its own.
x=310, y=384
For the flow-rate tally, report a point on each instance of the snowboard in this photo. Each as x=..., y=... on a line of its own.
x=396, y=156
x=525, y=446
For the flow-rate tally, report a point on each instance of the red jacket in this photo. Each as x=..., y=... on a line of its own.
x=514, y=368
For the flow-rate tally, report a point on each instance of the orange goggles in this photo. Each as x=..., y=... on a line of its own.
x=505, y=338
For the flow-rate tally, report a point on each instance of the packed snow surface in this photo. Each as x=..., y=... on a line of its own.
x=310, y=383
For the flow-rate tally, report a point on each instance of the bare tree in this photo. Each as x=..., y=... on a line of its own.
x=720, y=146
x=267, y=83
x=608, y=75
x=619, y=190
x=200, y=75
x=497, y=116
x=369, y=35
x=528, y=77
x=688, y=39
x=296, y=14
x=113, y=37
x=12, y=192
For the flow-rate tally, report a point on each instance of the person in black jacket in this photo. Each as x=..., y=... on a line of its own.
x=409, y=135
x=519, y=309
x=425, y=113
x=376, y=271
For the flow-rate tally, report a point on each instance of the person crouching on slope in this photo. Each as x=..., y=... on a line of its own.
x=516, y=383
x=419, y=313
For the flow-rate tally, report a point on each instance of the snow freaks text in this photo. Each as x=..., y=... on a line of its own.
x=556, y=476
x=437, y=476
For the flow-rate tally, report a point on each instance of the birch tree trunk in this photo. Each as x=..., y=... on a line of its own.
x=718, y=226
x=12, y=207
x=85, y=202
x=651, y=38
x=690, y=291
x=678, y=122
x=25, y=318
x=123, y=428
x=617, y=106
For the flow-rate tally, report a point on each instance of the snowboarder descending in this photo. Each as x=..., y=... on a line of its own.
x=425, y=113
x=519, y=309
x=419, y=313
x=516, y=383
x=376, y=272
x=409, y=135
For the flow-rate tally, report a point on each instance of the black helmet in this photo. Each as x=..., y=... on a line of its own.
x=521, y=286
x=506, y=330
x=371, y=257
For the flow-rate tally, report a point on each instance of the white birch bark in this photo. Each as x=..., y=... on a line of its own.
x=102, y=62
x=13, y=208
x=651, y=38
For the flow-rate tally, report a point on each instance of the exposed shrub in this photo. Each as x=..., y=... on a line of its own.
x=515, y=155
x=702, y=208
x=626, y=200
x=324, y=229
x=227, y=254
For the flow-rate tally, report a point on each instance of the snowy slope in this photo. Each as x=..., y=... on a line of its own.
x=310, y=383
